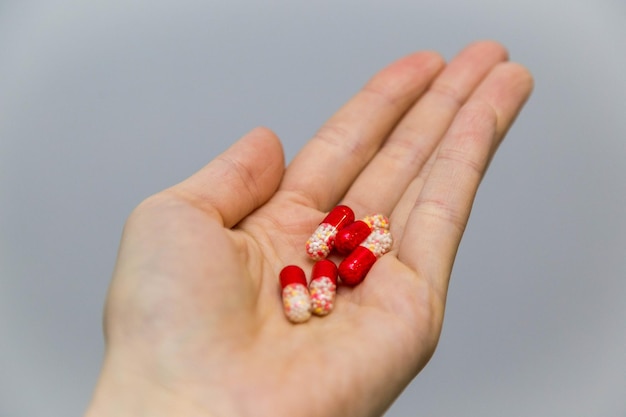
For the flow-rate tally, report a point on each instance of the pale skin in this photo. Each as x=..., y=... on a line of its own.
x=194, y=323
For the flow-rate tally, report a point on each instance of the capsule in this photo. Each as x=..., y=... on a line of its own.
x=322, y=240
x=296, y=297
x=348, y=238
x=323, y=287
x=354, y=268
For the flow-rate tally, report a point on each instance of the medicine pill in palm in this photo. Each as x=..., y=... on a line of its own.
x=377, y=221
x=323, y=287
x=348, y=238
x=353, y=269
x=295, y=294
x=321, y=242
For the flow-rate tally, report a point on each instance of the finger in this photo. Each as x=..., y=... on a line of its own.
x=417, y=135
x=438, y=218
x=239, y=180
x=322, y=172
x=506, y=88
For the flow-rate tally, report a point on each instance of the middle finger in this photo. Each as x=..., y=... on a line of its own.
x=416, y=136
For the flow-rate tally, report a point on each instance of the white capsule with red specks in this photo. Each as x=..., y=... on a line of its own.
x=348, y=238
x=296, y=297
x=354, y=268
x=323, y=287
x=322, y=240
x=377, y=221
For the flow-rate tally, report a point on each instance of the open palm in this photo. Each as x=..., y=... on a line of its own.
x=194, y=321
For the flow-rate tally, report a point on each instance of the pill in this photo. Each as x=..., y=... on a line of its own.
x=296, y=298
x=323, y=287
x=377, y=221
x=321, y=242
x=348, y=238
x=353, y=269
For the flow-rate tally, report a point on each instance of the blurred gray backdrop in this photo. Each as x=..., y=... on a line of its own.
x=104, y=102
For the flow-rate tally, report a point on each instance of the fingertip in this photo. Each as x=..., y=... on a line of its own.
x=394, y=79
x=268, y=145
x=263, y=133
x=488, y=47
x=520, y=75
x=239, y=180
x=260, y=152
x=266, y=141
x=425, y=58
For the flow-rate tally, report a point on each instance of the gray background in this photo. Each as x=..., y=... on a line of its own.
x=103, y=103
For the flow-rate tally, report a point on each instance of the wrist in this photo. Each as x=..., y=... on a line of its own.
x=123, y=393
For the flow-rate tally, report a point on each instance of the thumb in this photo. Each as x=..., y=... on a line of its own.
x=239, y=180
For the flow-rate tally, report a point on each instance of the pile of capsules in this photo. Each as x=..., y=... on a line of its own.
x=362, y=242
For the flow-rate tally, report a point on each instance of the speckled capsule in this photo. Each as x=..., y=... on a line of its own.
x=353, y=269
x=321, y=242
x=348, y=238
x=296, y=297
x=323, y=287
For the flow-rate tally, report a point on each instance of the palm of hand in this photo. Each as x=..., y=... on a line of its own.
x=214, y=318
x=195, y=307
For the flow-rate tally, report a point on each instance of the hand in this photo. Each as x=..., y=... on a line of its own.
x=194, y=323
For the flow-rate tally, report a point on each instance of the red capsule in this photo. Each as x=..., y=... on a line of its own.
x=322, y=240
x=348, y=238
x=296, y=297
x=355, y=266
x=323, y=287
